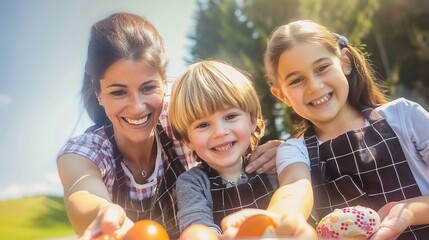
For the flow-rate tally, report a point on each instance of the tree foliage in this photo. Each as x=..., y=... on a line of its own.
x=395, y=33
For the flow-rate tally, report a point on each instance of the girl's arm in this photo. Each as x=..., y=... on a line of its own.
x=86, y=197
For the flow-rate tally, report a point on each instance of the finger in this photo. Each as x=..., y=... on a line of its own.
x=112, y=219
x=384, y=211
x=263, y=163
x=92, y=230
x=384, y=233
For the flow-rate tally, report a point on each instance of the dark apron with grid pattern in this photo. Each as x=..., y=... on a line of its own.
x=256, y=193
x=162, y=207
x=362, y=167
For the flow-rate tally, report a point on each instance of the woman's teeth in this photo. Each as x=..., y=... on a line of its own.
x=321, y=100
x=137, y=121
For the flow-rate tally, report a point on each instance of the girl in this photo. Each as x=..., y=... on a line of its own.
x=361, y=149
x=216, y=113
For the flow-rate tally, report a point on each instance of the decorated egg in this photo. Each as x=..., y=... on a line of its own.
x=349, y=223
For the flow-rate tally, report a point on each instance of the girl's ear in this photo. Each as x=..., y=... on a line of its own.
x=346, y=63
x=279, y=95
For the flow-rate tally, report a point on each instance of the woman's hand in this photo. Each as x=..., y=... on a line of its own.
x=111, y=221
x=294, y=227
x=395, y=218
x=263, y=158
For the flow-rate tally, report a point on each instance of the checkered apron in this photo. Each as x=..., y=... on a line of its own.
x=256, y=193
x=162, y=207
x=362, y=167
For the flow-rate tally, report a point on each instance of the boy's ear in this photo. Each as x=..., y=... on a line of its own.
x=346, y=63
x=279, y=95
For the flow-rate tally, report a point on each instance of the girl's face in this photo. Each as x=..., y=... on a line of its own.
x=312, y=81
x=222, y=138
x=132, y=96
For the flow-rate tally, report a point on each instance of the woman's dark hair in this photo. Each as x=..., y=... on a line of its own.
x=120, y=36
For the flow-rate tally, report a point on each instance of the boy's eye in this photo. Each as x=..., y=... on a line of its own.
x=231, y=116
x=201, y=125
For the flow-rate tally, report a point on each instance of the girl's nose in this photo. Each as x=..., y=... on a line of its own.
x=314, y=84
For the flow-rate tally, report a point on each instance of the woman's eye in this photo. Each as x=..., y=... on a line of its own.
x=149, y=89
x=118, y=93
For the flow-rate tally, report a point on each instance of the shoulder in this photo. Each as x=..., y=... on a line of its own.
x=400, y=108
x=193, y=177
x=193, y=174
x=89, y=145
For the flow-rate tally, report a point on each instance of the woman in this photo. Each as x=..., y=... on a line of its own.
x=125, y=167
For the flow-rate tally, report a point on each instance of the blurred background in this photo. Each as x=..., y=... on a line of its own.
x=43, y=50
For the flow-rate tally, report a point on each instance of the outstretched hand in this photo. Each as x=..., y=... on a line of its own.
x=263, y=158
x=290, y=226
x=111, y=221
x=395, y=218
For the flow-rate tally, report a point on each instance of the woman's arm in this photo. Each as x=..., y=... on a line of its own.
x=85, y=194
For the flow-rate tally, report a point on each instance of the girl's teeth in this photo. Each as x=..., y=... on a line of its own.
x=321, y=100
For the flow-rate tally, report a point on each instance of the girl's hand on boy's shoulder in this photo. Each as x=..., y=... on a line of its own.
x=263, y=158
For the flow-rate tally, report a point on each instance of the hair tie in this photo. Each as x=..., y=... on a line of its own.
x=342, y=41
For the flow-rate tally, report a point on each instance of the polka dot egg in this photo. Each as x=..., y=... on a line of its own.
x=349, y=223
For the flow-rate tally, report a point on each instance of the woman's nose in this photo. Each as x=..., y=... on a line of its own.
x=137, y=103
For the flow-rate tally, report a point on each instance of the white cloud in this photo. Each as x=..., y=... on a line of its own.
x=4, y=100
x=50, y=185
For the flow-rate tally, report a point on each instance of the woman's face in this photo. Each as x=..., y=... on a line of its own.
x=132, y=95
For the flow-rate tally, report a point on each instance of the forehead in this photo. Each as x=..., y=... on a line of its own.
x=129, y=70
x=301, y=56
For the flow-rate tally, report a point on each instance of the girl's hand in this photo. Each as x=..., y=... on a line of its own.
x=395, y=218
x=111, y=221
x=263, y=158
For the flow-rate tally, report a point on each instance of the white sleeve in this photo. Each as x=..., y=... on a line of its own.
x=291, y=151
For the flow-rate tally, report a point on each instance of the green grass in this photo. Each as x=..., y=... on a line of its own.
x=34, y=218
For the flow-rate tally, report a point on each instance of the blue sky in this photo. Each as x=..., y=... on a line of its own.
x=43, y=47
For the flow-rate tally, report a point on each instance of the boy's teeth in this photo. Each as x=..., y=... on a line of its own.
x=138, y=121
x=321, y=100
x=223, y=148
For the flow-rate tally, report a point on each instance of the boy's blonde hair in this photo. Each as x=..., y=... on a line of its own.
x=209, y=86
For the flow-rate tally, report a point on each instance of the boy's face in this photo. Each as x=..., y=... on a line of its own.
x=221, y=139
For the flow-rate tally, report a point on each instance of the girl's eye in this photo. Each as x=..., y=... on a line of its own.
x=118, y=93
x=296, y=81
x=322, y=68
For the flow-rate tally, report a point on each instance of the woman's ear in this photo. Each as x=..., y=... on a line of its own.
x=346, y=63
x=279, y=95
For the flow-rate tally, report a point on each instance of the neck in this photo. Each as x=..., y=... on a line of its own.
x=232, y=173
x=139, y=156
x=347, y=120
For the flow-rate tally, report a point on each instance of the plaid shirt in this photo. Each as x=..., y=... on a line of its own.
x=96, y=147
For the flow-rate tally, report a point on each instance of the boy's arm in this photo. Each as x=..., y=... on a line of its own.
x=194, y=200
